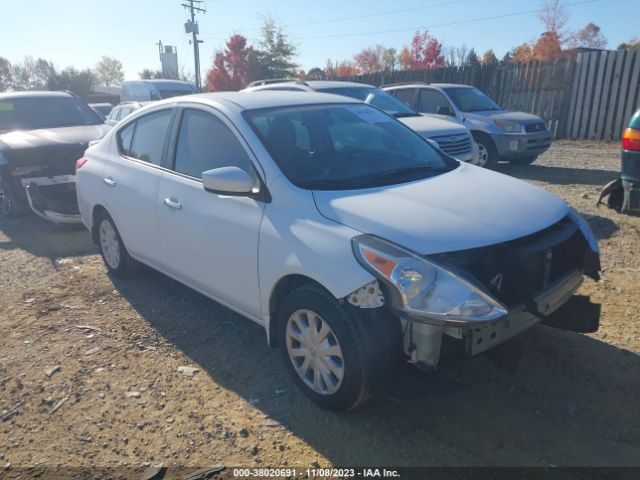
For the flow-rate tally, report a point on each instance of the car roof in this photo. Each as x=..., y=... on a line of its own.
x=252, y=100
x=33, y=94
x=422, y=85
x=320, y=84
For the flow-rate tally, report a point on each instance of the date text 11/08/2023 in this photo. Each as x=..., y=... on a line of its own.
x=315, y=473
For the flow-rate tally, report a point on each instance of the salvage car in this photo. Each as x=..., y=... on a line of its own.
x=624, y=192
x=452, y=137
x=42, y=134
x=517, y=137
x=351, y=239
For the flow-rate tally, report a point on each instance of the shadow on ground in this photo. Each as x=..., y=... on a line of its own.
x=559, y=175
x=42, y=238
x=566, y=405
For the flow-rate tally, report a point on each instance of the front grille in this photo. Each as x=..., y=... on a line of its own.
x=515, y=271
x=457, y=144
x=535, y=127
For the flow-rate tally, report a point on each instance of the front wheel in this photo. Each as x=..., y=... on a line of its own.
x=11, y=206
x=488, y=155
x=323, y=349
x=114, y=253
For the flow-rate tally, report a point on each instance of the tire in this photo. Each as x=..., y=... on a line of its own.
x=114, y=254
x=346, y=384
x=488, y=157
x=522, y=161
x=11, y=206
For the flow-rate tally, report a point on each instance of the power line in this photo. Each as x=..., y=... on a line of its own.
x=344, y=19
x=426, y=27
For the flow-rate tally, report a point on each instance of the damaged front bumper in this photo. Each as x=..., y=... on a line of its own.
x=53, y=198
x=557, y=306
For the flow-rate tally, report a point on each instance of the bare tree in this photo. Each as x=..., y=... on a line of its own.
x=554, y=16
x=461, y=54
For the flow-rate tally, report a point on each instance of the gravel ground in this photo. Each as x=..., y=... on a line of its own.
x=90, y=368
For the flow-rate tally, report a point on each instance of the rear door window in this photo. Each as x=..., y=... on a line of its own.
x=431, y=100
x=406, y=95
x=204, y=143
x=149, y=135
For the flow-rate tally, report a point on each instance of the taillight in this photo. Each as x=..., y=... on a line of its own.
x=80, y=162
x=631, y=139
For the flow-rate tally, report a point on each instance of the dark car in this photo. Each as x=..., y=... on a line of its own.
x=42, y=135
x=103, y=109
x=624, y=192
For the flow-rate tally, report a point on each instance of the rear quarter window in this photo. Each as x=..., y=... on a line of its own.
x=635, y=121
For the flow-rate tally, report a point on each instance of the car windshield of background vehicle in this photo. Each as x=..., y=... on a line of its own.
x=345, y=147
x=471, y=100
x=30, y=113
x=375, y=97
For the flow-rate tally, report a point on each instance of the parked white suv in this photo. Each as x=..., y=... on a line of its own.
x=342, y=232
x=452, y=137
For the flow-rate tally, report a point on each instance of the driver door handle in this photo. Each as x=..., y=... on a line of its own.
x=172, y=203
x=109, y=181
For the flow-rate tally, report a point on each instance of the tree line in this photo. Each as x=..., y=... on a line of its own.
x=273, y=56
x=40, y=74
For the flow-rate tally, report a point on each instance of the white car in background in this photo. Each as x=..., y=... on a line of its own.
x=452, y=137
x=347, y=236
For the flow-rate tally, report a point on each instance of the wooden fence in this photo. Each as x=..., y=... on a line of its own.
x=588, y=95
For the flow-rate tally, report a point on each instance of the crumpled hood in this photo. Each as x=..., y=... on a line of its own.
x=468, y=207
x=427, y=126
x=521, y=117
x=29, y=139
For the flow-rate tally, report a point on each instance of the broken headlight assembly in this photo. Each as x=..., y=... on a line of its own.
x=423, y=288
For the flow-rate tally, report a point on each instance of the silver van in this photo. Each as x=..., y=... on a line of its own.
x=146, y=90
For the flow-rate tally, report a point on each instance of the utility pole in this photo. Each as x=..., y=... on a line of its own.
x=192, y=28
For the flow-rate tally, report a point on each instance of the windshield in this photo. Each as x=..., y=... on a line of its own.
x=375, y=97
x=471, y=99
x=345, y=146
x=31, y=113
x=174, y=92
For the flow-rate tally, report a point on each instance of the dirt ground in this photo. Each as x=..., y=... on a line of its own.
x=118, y=398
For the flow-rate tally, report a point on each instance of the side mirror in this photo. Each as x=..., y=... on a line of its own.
x=445, y=110
x=433, y=143
x=228, y=181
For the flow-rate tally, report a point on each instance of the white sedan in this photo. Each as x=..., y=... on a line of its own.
x=351, y=239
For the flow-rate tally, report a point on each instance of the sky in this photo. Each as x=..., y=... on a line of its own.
x=79, y=32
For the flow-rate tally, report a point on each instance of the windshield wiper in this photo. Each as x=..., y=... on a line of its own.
x=406, y=114
x=403, y=174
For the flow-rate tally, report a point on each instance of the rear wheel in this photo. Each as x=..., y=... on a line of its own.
x=488, y=155
x=523, y=161
x=323, y=349
x=114, y=253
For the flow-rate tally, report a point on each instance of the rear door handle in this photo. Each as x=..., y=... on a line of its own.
x=109, y=181
x=172, y=203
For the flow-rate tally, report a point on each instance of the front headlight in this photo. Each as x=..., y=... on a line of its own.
x=509, y=126
x=425, y=288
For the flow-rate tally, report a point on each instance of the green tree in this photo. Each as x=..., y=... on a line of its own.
x=32, y=74
x=148, y=74
x=80, y=82
x=472, y=59
x=109, y=71
x=275, y=52
x=5, y=74
x=315, y=73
